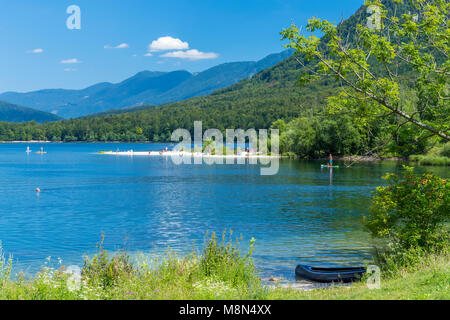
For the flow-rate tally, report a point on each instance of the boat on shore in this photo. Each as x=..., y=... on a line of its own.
x=328, y=275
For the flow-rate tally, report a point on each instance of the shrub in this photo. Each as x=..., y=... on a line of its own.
x=224, y=262
x=5, y=267
x=411, y=211
x=430, y=160
x=210, y=145
x=445, y=152
x=107, y=269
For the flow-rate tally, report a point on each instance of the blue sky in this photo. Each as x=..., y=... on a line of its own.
x=203, y=33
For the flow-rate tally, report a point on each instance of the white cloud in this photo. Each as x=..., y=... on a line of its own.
x=193, y=54
x=38, y=50
x=123, y=46
x=70, y=61
x=168, y=43
x=148, y=54
x=120, y=46
x=69, y=70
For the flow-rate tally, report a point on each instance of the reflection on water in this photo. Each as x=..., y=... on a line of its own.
x=331, y=176
x=304, y=214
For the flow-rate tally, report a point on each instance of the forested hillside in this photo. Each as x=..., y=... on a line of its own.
x=254, y=103
x=144, y=88
x=271, y=98
x=13, y=113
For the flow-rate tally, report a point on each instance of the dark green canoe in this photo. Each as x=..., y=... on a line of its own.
x=326, y=275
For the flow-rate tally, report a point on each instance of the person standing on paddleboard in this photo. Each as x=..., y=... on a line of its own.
x=331, y=161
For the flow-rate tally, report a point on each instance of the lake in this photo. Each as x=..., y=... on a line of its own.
x=303, y=214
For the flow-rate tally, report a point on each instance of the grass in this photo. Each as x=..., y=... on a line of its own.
x=221, y=272
x=437, y=156
x=431, y=160
x=428, y=281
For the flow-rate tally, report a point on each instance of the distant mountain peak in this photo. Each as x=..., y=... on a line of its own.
x=145, y=87
x=147, y=73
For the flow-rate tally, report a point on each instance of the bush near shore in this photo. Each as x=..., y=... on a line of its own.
x=437, y=156
x=430, y=160
x=219, y=273
x=411, y=214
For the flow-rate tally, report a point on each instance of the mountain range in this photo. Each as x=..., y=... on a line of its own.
x=144, y=88
x=254, y=102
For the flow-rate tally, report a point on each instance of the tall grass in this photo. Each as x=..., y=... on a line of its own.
x=445, y=151
x=437, y=156
x=219, y=272
x=431, y=160
x=5, y=267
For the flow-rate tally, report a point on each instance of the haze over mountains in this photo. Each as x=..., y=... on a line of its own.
x=256, y=102
x=14, y=113
x=144, y=88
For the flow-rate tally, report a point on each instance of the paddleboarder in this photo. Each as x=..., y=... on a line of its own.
x=330, y=164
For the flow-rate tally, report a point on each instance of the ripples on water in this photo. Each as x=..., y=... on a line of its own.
x=300, y=215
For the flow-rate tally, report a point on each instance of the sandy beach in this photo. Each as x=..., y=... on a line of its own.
x=246, y=155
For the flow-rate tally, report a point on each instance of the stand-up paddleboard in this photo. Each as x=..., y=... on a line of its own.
x=326, y=166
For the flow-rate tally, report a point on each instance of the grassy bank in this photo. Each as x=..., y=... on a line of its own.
x=437, y=156
x=220, y=272
x=430, y=160
x=428, y=281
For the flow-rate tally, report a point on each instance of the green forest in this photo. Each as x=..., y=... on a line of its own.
x=378, y=89
x=312, y=117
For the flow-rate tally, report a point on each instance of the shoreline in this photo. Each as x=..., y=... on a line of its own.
x=75, y=142
x=141, y=153
x=369, y=158
x=244, y=155
x=25, y=142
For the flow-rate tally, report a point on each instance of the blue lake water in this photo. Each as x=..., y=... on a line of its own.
x=302, y=214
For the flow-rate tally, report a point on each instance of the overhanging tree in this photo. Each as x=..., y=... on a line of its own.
x=388, y=54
